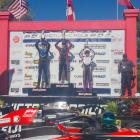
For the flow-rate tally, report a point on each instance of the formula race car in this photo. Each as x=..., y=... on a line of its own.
x=59, y=112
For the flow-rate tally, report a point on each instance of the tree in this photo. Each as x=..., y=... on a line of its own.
x=1, y=103
x=4, y=4
x=111, y=106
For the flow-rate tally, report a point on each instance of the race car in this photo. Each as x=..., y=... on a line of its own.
x=120, y=134
x=59, y=112
x=80, y=124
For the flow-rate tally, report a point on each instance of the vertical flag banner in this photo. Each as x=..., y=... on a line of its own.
x=70, y=11
x=127, y=3
x=18, y=8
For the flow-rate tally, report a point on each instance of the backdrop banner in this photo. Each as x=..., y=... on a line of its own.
x=107, y=46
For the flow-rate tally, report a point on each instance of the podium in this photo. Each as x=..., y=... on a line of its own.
x=63, y=89
x=54, y=90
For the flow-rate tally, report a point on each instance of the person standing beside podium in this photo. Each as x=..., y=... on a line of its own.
x=127, y=71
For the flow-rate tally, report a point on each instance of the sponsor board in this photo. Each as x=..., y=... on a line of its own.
x=108, y=46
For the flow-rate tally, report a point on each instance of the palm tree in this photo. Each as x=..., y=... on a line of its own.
x=111, y=106
x=1, y=103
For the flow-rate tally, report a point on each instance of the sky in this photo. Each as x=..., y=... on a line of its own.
x=84, y=9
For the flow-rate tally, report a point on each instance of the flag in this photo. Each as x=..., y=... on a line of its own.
x=18, y=8
x=127, y=3
x=70, y=11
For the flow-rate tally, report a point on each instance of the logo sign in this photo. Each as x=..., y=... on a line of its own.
x=16, y=39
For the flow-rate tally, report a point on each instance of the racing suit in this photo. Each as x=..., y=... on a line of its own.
x=43, y=60
x=63, y=58
x=88, y=65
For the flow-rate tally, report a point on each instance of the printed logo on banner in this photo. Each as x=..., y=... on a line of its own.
x=30, y=62
x=16, y=62
x=27, y=77
x=117, y=90
x=35, y=61
x=31, y=67
x=16, y=39
x=29, y=45
x=34, y=84
x=28, y=54
x=102, y=84
x=117, y=52
x=28, y=84
x=78, y=76
x=15, y=90
x=98, y=46
x=99, y=76
x=26, y=36
x=102, y=61
x=100, y=53
x=30, y=36
x=100, y=69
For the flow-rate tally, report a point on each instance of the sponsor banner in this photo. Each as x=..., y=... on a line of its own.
x=16, y=63
x=108, y=46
